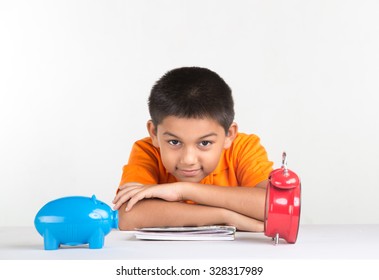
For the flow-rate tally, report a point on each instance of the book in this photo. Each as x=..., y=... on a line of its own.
x=203, y=233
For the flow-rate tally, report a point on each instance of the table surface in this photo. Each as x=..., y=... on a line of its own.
x=314, y=242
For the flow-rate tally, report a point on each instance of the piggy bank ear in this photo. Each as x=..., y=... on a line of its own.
x=231, y=135
x=94, y=200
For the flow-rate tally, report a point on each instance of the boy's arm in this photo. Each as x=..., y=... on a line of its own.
x=160, y=213
x=247, y=201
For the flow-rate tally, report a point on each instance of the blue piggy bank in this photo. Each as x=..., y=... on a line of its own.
x=75, y=220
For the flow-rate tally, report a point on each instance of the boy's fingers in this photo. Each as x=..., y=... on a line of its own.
x=137, y=196
x=119, y=200
x=117, y=205
x=124, y=196
x=118, y=196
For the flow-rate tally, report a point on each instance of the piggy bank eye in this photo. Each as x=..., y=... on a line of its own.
x=95, y=215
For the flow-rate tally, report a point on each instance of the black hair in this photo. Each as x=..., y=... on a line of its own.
x=192, y=92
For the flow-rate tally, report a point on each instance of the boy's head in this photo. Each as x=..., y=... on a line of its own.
x=192, y=121
x=192, y=92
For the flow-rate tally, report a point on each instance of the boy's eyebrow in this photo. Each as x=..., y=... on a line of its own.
x=209, y=135
x=170, y=134
x=167, y=133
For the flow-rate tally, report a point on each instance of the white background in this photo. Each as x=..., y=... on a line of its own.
x=75, y=78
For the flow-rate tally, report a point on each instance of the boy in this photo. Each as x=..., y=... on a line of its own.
x=195, y=168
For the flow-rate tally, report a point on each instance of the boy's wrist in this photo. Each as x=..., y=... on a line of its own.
x=184, y=188
x=242, y=222
x=227, y=216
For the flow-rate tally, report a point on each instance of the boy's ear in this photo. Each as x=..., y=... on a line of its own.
x=152, y=132
x=232, y=134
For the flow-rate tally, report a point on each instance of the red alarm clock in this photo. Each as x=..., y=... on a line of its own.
x=282, y=213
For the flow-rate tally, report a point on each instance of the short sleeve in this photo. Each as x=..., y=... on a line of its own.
x=143, y=164
x=252, y=163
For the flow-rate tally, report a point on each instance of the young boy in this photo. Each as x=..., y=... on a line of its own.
x=195, y=168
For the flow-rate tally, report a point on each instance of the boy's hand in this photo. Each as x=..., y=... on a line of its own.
x=134, y=192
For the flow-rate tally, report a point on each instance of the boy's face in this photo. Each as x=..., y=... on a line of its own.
x=191, y=148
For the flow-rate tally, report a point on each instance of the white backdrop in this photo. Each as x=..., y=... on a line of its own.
x=75, y=77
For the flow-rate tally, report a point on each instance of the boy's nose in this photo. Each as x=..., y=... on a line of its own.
x=188, y=157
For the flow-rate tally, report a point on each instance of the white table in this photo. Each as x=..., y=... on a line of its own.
x=345, y=242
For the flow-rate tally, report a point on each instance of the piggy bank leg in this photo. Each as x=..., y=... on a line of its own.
x=97, y=240
x=49, y=241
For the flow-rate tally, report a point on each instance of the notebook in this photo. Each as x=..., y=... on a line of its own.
x=202, y=233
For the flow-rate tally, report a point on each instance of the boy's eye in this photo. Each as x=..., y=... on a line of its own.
x=205, y=143
x=174, y=142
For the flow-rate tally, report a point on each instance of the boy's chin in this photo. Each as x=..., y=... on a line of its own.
x=189, y=179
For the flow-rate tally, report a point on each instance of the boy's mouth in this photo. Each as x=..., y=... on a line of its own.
x=189, y=172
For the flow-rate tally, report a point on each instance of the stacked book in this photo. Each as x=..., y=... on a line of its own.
x=186, y=233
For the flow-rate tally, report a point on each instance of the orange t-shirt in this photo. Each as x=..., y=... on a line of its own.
x=245, y=163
